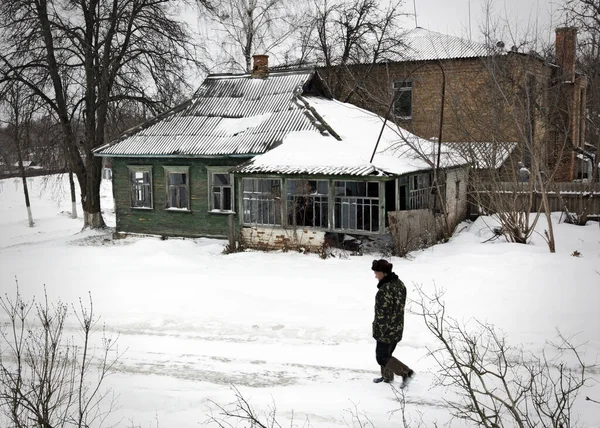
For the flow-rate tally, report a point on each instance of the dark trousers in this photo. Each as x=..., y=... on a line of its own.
x=384, y=351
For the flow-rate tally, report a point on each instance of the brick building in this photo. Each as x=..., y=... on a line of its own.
x=492, y=95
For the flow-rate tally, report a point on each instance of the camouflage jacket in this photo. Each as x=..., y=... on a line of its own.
x=390, y=299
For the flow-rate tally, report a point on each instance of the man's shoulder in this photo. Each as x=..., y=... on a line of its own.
x=398, y=283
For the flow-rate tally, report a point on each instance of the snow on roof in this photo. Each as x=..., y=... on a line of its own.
x=423, y=45
x=309, y=152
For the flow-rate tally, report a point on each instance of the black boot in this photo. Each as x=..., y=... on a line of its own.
x=406, y=378
x=387, y=376
x=381, y=378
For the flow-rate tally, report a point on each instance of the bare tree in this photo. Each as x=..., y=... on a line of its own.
x=81, y=56
x=21, y=107
x=499, y=385
x=45, y=377
x=351, y=32
x=248, y=27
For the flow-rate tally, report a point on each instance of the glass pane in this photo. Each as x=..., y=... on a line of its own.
x=248, y=184
x=227, y=199
x=339, y=188
x=402, y=106
x=375, y=218
x=373, y=190
x=221, y=179
x=291, y=186
x=216, y=199
x=145, y=196
x=183, y=197
x=254, y=211
x=247, y=205
x=362, y=188
x=351, y=189
x=323, y=187
x=172, y=200
x=176, y=178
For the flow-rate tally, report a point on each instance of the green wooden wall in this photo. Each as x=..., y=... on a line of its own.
x=158, y=221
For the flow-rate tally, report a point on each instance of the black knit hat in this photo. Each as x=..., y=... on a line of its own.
x=382, y=266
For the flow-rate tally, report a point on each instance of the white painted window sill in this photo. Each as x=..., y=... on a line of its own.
x=178, y=210
x=221, y=212
x=142, y=208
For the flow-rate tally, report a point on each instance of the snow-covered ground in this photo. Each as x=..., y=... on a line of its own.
x=289, y=330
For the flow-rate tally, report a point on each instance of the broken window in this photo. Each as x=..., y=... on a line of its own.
x=307, y=203
x=178, y=195
x=141, y=186
x=262, y=201
x=357, y=205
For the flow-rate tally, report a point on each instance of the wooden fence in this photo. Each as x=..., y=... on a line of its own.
x=574, y=196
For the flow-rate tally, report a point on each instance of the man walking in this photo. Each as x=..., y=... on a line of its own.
x=388, y=324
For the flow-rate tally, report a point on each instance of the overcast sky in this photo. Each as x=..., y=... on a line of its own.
x=452, y=16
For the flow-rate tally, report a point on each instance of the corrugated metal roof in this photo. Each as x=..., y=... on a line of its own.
x=362, y=170
x=424, y=45
x=228, y=115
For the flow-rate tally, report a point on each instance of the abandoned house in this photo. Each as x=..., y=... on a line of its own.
x=276, y=152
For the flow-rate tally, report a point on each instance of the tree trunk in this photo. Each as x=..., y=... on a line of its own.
x=22, y=168
x=550, y=232
x=73, y=197
x=92, y=213
x=25, y=191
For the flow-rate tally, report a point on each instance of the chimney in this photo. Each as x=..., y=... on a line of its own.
x=260, y=68
x=566, y=45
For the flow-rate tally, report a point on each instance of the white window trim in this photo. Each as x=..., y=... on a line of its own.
x=220, y=170
x=381, y=226
x=287, y=195
x=141, y=168
x=177, y=170
x=281, y=203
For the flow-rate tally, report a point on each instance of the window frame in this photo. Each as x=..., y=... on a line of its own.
x=252, y=199
x=319, y=199
x=353, y=201
x=132, y=169
x=177, y=170
x=400, y=87
x=211, y=171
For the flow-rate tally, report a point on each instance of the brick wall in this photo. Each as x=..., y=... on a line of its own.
x=278, y=238
x=502, y=98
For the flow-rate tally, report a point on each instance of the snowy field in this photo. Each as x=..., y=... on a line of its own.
x=288, y=330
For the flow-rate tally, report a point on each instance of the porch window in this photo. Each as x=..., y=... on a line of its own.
x=262, y=201
x=403, y=99
x=421, y=192
x=357, y=205
x=141, y=186
x=307, y=203
x=221, y=189
x=178, y=188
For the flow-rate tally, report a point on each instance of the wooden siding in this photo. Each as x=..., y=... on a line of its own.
x=158, y=221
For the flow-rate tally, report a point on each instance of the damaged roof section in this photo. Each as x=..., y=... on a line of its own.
x=228, y=115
